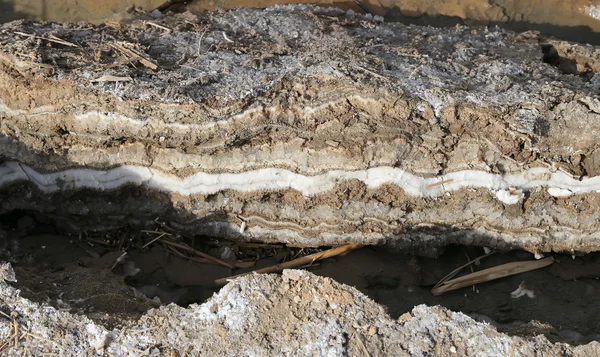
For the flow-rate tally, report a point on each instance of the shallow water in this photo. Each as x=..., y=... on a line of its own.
x=575, y=20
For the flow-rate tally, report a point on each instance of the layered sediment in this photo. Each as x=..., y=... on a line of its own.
x=306, y=126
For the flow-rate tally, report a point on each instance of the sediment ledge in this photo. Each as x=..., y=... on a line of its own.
x=304, y=125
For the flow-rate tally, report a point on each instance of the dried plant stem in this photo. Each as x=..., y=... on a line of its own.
x=296, y=262
x=490, y=274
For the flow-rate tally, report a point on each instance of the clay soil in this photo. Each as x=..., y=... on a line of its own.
x=78, y=274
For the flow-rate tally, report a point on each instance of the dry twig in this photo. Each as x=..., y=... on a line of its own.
x=111, y=79
x=259, y=245
x=21, y=331
x=178, y=253
x=362, y=345
x=99, y=241
x=122, y=239
x=154, y=240
x=490, y=274
x=227, y=38
x=439, y=183
x=296, y=262
x=132, y=55
x=203, y=255
x=118, y=260
x=200, y=44
x=168, y=30
x=50, y=38
x=167, y=4
x=236, y=264
x=372, y=73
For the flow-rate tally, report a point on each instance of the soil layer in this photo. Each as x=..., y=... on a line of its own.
x=304, y=125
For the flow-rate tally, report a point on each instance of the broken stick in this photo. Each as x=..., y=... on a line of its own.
x=132, y=55
x=50, y=38
x=167, y=4
x=490, y=274
x=197, y=252
x=296, y=262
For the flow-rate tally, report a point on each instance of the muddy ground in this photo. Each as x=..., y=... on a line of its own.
x=313, y=315
x=79, y=274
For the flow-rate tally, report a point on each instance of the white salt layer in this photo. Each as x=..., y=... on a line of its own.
x=507, y=188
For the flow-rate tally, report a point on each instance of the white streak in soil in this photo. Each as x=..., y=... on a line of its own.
x=101, y=120
x=557, y=182
x=560, y=192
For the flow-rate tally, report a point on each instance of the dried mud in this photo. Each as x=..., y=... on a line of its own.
x=74, y=300
x=307, y=126
x=79, y=275
x=304, y=126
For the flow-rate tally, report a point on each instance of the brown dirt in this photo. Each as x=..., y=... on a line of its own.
x=313, y=315
x=322, y=107
x=312, y=91
x=59, y=269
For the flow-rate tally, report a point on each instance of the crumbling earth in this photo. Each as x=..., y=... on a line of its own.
x=303, y=126
x=312, y=316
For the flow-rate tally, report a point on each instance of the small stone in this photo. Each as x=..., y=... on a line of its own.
x=404, y=317
x=130, y=269
x=372, y=330
x=7, y=273
x=156, y=14
x=227, y=253
x=291, y=275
